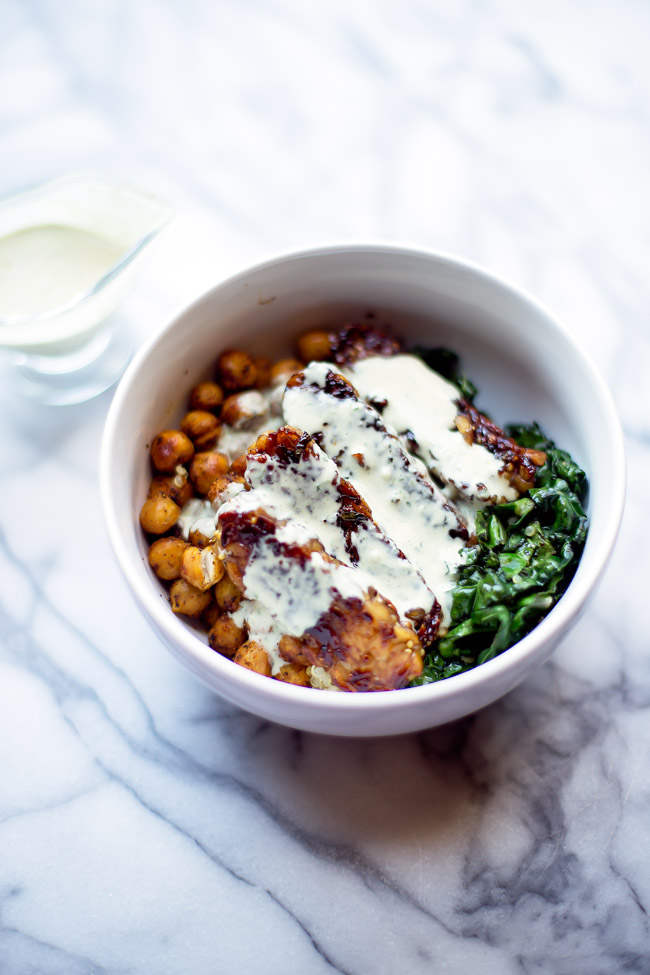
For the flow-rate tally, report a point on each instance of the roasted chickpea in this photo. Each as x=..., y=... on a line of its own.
x=281, y=370
x=266, y=442
x=292, y=649
x=227, y=594
x=202, y=427
x=243, y=410
x=236, y=370
x=222, y=489
x=293, y=674
x=199, y=540
x=253, y=656
x=314, y=346
x=263, y=367
x=201, y=567
x=206, y=467
x=169, y=449
x=235, y=573
x=165, y=557
x=176, y=486
x=210, y=615
x=225, y=636
x=159, y=514
x=206, y=396
x=238, y=466
x=188, y=600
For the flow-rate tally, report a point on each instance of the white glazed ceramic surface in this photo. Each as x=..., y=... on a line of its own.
x=525, y=365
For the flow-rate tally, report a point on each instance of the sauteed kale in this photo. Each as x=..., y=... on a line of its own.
x=525, y=555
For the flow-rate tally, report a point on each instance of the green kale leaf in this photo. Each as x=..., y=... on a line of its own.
x=525, y=555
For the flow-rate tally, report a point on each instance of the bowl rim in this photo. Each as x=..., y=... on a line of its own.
x=547, y=632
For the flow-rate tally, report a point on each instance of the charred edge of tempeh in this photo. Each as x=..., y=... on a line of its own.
x=363, y=646
x=360, y=340
x=289, y=446
x=519, y=463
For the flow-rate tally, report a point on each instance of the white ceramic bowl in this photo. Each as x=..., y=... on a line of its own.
x=526, y=366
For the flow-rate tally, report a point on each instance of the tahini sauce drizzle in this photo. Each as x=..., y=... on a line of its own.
x=265, y=409
x=405, y=504
x=420, y=400
x=46, y=267
x=295, y=594
x=307, y=493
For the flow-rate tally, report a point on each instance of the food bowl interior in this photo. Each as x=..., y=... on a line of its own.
x=525, y=366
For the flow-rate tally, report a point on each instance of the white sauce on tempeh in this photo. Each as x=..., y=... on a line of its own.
x=303, y=496
x=295, y=593
x=303, y=492
x=307, y=494
x=420, y=400
x=264, y=407
x=405, y=504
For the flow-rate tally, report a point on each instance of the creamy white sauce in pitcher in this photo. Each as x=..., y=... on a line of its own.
x=46, y=267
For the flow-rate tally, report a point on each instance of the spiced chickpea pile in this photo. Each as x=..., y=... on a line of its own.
x=200, y=461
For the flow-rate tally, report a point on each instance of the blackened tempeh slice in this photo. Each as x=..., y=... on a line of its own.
x=458, y=444
x=354, y=634
x=405, y=504
x=295, y=480
x=361, y=339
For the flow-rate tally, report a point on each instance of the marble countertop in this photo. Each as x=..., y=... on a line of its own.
x=145, y=825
